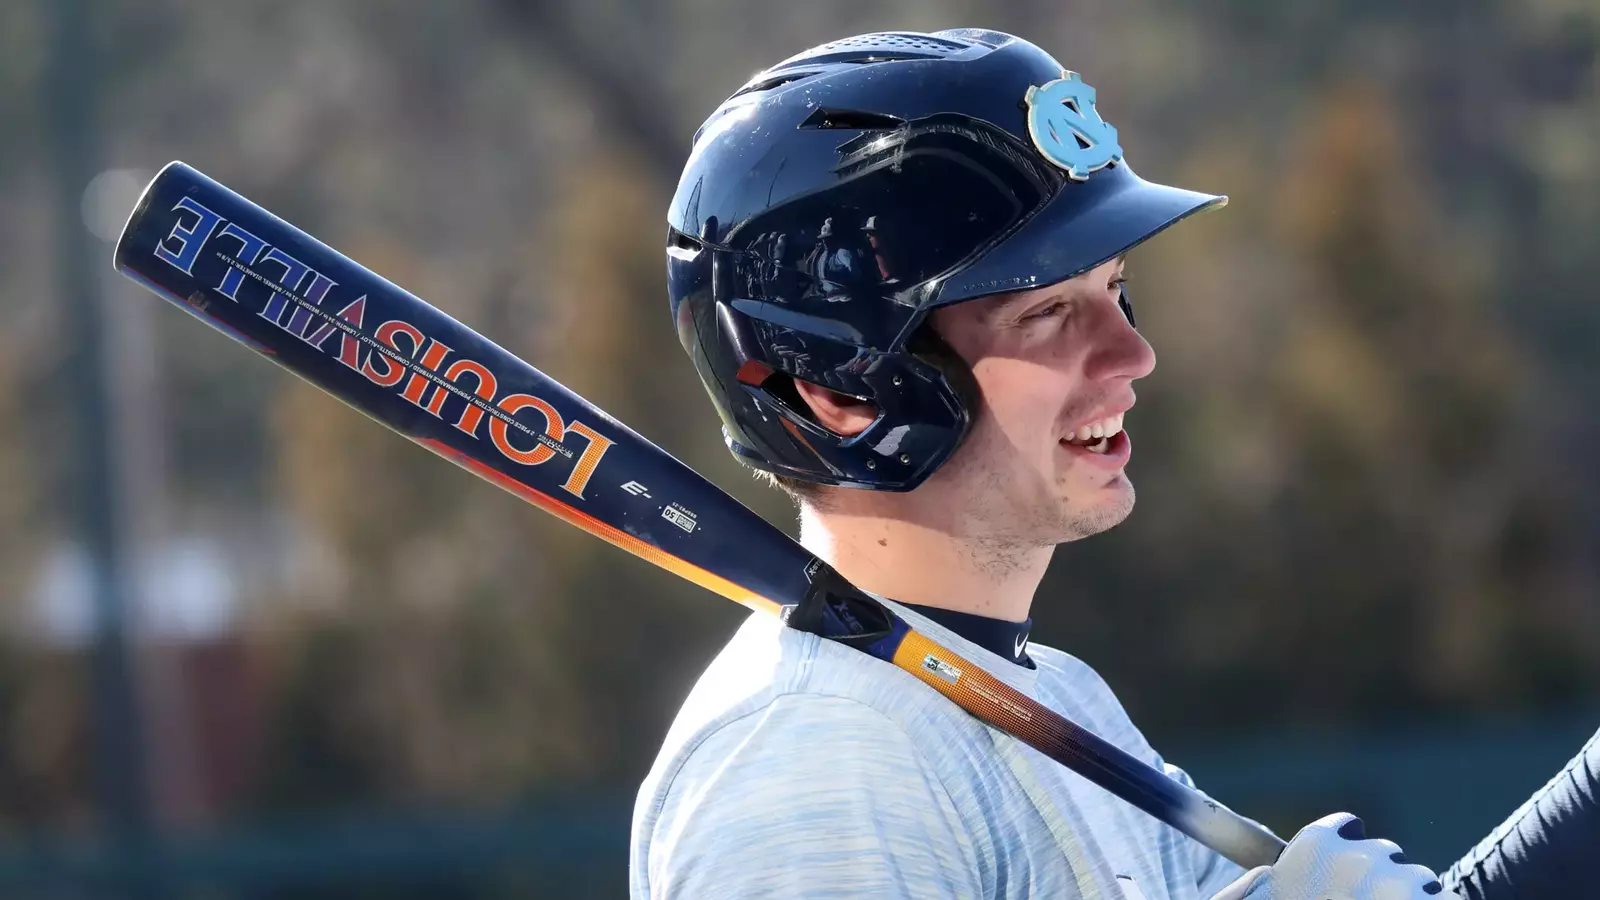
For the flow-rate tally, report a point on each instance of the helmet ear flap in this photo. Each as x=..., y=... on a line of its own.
x=929, y=346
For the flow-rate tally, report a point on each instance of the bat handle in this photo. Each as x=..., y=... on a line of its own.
x=837, y=610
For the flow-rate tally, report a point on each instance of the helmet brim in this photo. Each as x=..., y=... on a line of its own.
x=1073, y=234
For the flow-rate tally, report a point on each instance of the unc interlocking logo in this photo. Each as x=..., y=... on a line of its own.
x=1068, y=130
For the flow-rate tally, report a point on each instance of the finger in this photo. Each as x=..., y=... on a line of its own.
x=1241, y=886
x=1351, y=829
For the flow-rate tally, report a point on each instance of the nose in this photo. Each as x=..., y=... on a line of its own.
x=1116, y=349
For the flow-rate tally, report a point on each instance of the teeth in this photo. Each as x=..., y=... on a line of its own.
x=1105, y=428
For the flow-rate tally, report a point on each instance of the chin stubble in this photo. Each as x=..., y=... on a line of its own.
x=1005, y=516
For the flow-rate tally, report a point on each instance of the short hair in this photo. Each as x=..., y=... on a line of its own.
x=803, y=493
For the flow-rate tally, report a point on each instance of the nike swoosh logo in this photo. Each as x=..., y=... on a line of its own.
x=1022, y=641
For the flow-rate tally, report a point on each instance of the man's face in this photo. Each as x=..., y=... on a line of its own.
x=1055, y=367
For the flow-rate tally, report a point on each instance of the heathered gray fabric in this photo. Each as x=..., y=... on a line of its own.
x=798, y=768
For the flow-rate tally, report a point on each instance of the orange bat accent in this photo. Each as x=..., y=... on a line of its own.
x=487, y=385
x=393, y=372
x=610, y=533
x=972, y=688
x=598, y=444
x=431, y=358
x=500, y=432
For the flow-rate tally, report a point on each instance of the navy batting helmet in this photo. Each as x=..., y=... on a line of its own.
x=837, y=198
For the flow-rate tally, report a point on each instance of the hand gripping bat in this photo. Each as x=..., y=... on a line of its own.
x=284, y=294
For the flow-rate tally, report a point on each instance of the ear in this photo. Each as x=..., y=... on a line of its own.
x=839, y=413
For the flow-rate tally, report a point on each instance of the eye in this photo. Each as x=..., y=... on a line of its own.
x=1050, y=311
x=1118, y=281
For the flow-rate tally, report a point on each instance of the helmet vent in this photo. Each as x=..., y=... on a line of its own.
x=852, y=118
x=906, y=45
x=984, y=36
x=880, y=56
x=876, y=48
x=767, y=84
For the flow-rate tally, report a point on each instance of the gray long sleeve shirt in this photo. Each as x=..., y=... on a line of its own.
x=799, y=768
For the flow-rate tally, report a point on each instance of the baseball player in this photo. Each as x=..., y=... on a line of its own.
x=897, y=262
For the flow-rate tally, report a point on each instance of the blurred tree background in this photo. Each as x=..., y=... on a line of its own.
x=1367, y=491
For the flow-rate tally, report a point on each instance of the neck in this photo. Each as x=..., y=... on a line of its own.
x=927, y=566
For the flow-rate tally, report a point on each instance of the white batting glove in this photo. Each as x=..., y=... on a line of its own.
x=1333, y=859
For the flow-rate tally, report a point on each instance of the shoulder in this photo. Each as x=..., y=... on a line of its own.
x=779, y=678
x=794, y=745
x=773, y=692
x=1072, y=687
x=808, y=796
x=1057, y=667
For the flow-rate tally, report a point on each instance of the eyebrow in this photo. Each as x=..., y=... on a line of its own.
x=1023, y=298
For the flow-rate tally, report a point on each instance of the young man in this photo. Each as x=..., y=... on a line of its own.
x=897, y=262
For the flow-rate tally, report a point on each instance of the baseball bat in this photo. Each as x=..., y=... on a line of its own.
x=291, y=298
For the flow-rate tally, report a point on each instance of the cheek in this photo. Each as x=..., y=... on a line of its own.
x=1022, y=401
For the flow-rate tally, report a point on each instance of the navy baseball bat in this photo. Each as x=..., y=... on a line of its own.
x=284, y=294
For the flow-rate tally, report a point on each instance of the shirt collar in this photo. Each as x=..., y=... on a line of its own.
x=1008, y=640
x=1001, y=665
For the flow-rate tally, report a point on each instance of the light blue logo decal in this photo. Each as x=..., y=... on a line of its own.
x=1068, y=130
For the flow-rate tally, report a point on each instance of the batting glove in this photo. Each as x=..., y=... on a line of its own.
x=1333, y=859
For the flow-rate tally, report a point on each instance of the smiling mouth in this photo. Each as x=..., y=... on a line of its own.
x=1097, y=446
x=1096, y=437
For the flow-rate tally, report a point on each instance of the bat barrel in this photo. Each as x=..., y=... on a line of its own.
x=389, y=354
